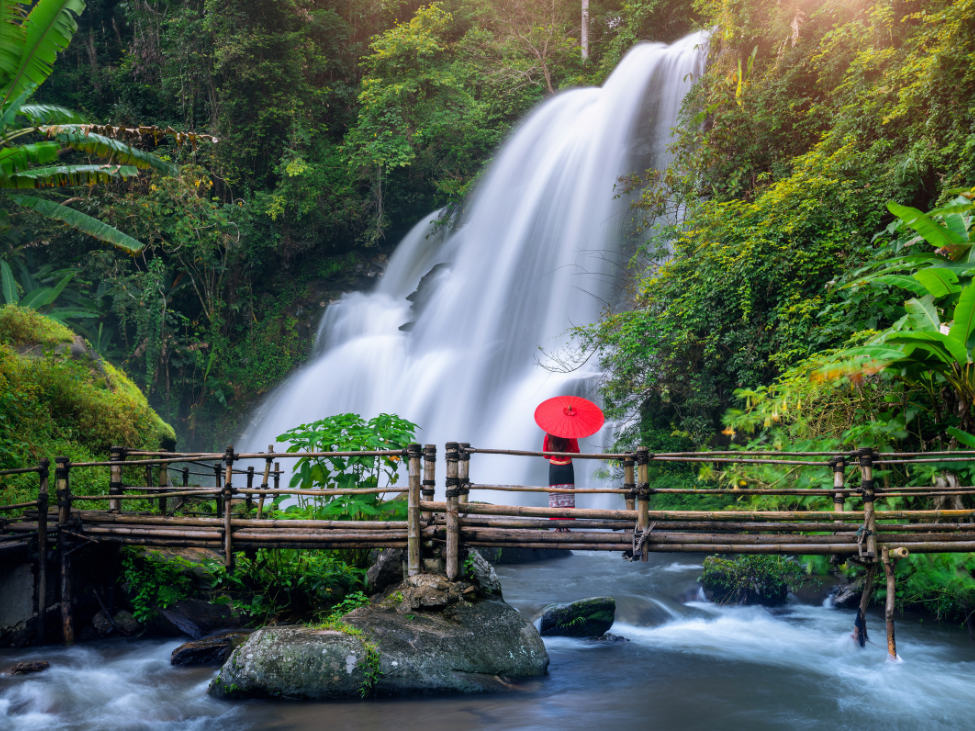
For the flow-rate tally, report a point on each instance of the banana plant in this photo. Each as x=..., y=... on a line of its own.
x=931, y=345
x=42, y=290
x=35, y=137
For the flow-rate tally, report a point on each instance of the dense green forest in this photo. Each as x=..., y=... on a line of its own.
x=789, y=291
x=339, y=124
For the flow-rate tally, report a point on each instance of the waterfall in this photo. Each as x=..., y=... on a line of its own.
x=538, y=249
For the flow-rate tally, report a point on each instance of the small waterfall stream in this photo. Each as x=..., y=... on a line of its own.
x=538, y=249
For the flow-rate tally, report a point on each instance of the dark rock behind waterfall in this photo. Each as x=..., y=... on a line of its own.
x=428, y=635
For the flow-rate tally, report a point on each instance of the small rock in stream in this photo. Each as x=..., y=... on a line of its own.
x=28, y=668
x=608, y=637
x=591, y=617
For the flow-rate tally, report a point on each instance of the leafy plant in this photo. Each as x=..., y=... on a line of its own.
x=156, y=583
x=761, y=579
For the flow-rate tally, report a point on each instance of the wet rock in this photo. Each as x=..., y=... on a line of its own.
x=197, y=618
x=28, y=668
x=423, y=294
x=847, y=595
x=749, y=580
x=427, y=635
x=387, y=570
x=126, y=623
x=208, y=651
x=103, y=623
x=508, y=556
x=590, y=617
x=608, y=637
x=481, y=573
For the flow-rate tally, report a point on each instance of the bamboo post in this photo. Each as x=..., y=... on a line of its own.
x=464, y=472
x=452, y=548
x=629, y=483
x=643, y=493
x=889, y=558
x=865, y=602
x=249, y=499
x=149, y=481
x=62, y=486
x=42, y=499
x=413, y=452
x=163, y=484
x=115, y=478
x=869, y=516
x=277, y=475
x=228, y=491
x=219, y=485
x=839, y=477
x=429, y=484
x=267, y=471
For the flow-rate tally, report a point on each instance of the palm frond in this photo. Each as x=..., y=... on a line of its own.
x=58, y=176
x=48, y=29
x=40, y=114
x=80, y=222
x=17, y=159
x=116, y=151
x=12, y=37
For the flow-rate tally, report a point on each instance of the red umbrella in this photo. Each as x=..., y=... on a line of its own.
x=569, y=417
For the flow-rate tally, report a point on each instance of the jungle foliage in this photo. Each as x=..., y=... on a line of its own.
x=341, y=123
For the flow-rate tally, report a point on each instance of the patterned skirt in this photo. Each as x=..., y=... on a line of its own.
x=561, y=476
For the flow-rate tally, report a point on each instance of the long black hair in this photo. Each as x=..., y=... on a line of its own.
x=557, y=444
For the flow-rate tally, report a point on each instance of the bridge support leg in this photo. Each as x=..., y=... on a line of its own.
x=42, y=550
x=860, y=630
x=629, y=483
x=61, y=482
x=643, y=495
x=413, y=511
x=890, y=562
x=452, y=549
x=464, y=472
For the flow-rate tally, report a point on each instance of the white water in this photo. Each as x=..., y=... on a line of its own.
x=538, y=250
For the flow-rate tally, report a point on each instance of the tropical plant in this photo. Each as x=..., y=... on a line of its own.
x=30, y=39
x=348, y=433
x=43, y=288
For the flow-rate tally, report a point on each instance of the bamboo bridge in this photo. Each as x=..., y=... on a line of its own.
x=435, y=531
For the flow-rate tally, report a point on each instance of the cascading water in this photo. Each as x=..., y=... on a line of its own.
x=537, y=251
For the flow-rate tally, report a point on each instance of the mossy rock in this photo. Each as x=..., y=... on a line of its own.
x=748, y=580
x=590, y=617
x=60, y=397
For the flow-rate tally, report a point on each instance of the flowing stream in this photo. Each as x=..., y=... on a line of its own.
x=538, y=249
x=689, y=665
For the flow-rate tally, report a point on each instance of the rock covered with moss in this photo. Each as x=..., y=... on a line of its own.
x=592, y=617
x=763, y=580
x=60, y=397
x=426, y=635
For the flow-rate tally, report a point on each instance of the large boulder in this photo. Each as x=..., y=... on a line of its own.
x=208, y=651
x=428, y=635
x=481, y=573
x=197, y=618
x=749, y=580
x=847, y=595
x=591, y=617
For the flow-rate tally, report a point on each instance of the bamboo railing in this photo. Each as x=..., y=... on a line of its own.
x=435, y=533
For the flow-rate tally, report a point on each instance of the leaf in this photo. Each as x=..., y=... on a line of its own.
x=9, y=285
x=925, y=340
x=12, y=37
x=42, y=114
x=939, y=282
x=962, y=436
x=925, y=312
x=17, y=159
x=964, y=316
x=116, y=151
x=48, y=30
x=56, y=176
x=933, y=232
x=80, y=222
x=898, y=280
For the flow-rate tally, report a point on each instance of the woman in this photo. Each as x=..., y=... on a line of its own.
x=560, y=473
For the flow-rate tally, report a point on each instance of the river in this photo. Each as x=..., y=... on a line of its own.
x=688, y=665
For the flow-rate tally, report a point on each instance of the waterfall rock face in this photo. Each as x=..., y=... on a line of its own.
x=428, y=635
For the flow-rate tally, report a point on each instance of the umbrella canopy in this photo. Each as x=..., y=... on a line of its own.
x=569, y=417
